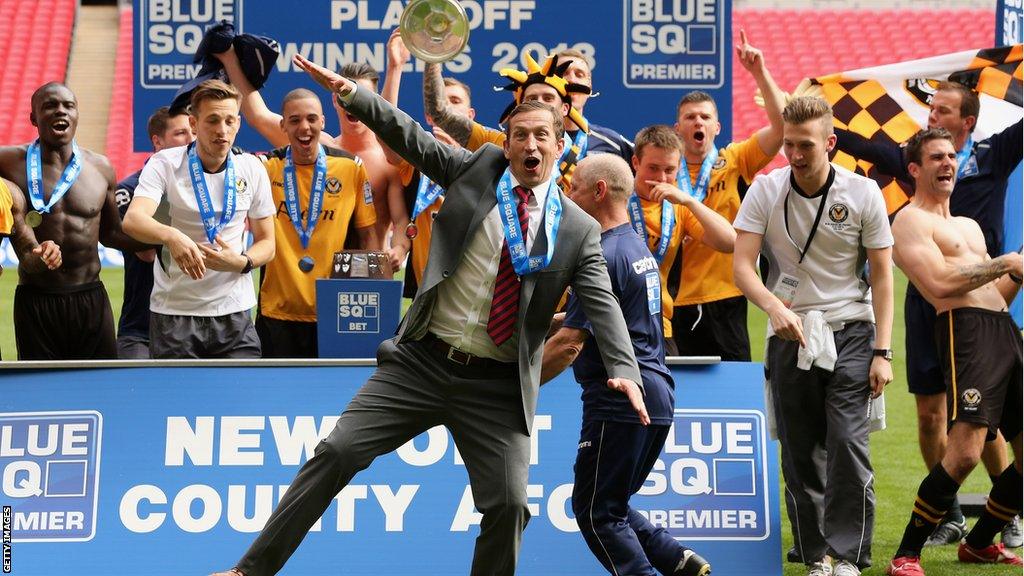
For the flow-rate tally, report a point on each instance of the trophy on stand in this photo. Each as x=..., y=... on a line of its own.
x=434, y=30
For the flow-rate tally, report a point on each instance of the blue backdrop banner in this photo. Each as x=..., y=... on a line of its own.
x=1009, y=31
x=663, y=47
x=172, y=470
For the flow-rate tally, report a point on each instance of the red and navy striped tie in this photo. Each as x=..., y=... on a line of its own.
x=505, y=304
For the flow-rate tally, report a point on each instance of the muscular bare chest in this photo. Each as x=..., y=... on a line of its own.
x=75, y=217
x=958, y=240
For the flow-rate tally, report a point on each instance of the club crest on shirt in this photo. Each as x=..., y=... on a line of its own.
x=838, y=213
x=971, y=398
x=241, y=187
x=122, y=197
x=720, y=163
x=333, y=186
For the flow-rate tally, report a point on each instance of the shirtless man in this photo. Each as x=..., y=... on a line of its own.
x=61, y=310
x=979, y=346
x=355, y=138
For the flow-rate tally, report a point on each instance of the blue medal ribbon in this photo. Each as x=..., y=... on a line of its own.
x=34, y=172
x=668, y=224
x=206, y=212
x=699, y=190
x=963, y=157
x=426, y=193
x=316, y=195
x=509, y=214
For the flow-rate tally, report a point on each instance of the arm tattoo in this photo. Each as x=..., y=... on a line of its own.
x=434, y=104
x=977, y=275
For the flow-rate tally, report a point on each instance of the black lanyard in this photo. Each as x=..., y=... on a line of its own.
x=817, y=218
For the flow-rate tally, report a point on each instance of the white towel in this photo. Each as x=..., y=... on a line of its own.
x=821, y=351
x=821, y=343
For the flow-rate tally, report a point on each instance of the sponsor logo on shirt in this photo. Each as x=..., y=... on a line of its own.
x=644, y=264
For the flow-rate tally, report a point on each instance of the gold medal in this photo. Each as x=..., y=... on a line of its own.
x=33, y=218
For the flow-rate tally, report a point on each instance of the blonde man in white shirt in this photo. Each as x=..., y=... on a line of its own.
x=201, y=301
x=816, y=225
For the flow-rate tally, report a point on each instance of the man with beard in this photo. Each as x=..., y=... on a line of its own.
x=61, y=309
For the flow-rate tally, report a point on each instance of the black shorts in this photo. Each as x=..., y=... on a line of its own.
x=716, y=328
x=228, y=336
x=287, y=338
x=64, y=323
x=924, y=375
x=980, y=353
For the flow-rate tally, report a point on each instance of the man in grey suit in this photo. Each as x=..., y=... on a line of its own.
x=468, y=352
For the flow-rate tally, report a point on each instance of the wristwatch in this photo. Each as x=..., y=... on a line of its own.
x=883, y=352
x=248, y=264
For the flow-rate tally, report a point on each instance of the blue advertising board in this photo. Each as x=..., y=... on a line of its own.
x=355, y=316
x=1010, y=31
x=173, y=470
x=645, y=54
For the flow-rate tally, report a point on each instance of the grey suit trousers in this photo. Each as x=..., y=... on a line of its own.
x=412, y=390
x=823, y=415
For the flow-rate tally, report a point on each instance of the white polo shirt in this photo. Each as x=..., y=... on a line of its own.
x=166, y=175
x=853, y=220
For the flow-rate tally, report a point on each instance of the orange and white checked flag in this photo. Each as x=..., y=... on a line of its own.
x=890, y=103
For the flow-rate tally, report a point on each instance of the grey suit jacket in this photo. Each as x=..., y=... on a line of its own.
x=470, y=180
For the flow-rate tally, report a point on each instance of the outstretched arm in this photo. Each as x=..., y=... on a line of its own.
x=254, y=109
x=769, y=138
x=439, y=162
x=922, y=261
x=435, y=105
x=398, y=56
x=887, y=158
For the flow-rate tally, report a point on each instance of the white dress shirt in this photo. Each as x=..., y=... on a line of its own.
x=463, y=302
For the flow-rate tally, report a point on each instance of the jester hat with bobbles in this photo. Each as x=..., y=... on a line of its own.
x=551, y=73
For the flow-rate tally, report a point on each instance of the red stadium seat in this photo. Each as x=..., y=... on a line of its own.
x=35, y=40
x=802, y=43
x=120, y=124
